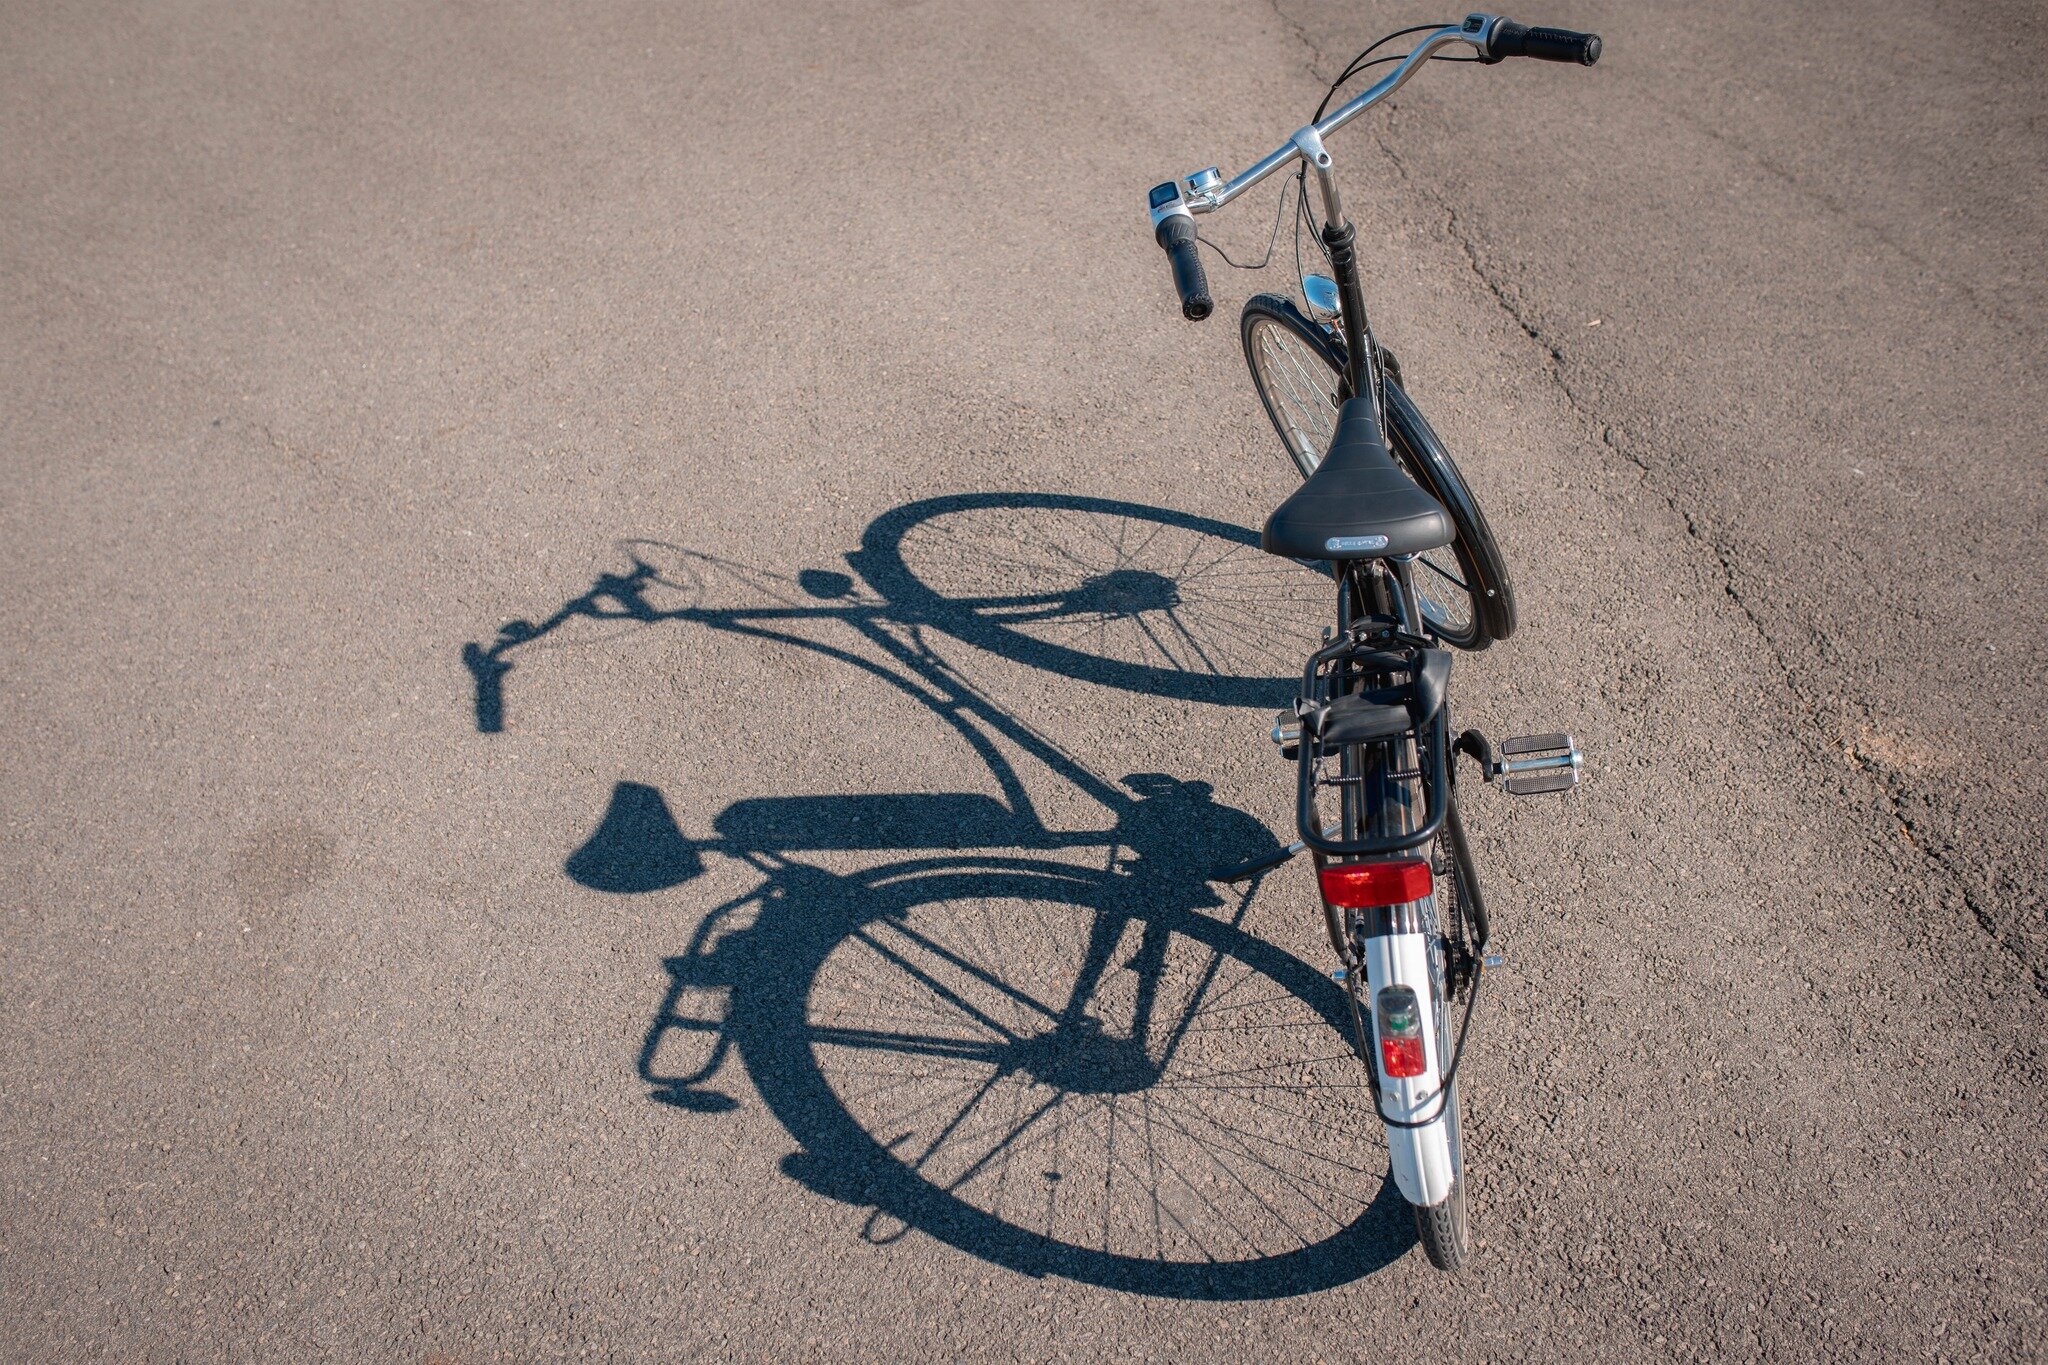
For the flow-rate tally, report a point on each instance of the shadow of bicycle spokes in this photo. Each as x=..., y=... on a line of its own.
x=1058, y=1050
x=1062, y=1070
x=1140, y=598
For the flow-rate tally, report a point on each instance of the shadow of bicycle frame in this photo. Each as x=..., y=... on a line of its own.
x=752, y=981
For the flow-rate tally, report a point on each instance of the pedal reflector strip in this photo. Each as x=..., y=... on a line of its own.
x=1360, y=886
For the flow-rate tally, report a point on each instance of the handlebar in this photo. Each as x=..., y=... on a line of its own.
x=1490, y=36
x=1176, y=233
x=1510, y=39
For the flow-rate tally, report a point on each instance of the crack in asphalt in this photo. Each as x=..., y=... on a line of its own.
x=1821, y=741
x=1835, y=208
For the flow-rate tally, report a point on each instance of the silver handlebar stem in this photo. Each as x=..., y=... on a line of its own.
x=1308, y=142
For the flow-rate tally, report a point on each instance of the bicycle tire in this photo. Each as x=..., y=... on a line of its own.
x=1298, y=369
x=1441, y=1229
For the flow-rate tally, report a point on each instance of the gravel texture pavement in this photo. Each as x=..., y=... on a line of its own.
x=586, y=675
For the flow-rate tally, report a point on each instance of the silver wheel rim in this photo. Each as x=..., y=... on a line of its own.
x=1446, y=602
x=1300, y=389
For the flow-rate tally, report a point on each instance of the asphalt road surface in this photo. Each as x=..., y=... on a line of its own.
x=529, y=830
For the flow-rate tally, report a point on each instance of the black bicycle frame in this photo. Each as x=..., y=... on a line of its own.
x=1359, y=362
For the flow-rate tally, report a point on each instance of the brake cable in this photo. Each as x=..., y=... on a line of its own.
x=1279, y=211
x=1359, y=63
x=1301, y=211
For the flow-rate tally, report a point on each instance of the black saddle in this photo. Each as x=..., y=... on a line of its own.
x=1358, y=504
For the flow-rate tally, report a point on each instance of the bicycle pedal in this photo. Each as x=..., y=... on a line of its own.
x=1492, y=960
x=1287, y=733
x=1534, y=764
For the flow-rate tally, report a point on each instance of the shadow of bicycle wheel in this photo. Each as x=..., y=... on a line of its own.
x=1142, y=599
x=1079, y=1070
x=1058, y=1070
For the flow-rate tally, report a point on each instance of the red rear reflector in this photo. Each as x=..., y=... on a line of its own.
x=1402, y=1057
x=1361, y=885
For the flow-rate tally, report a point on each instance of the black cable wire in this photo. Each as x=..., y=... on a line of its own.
x=1279, y=212
x=1381, y=61
x=1354, y=68
x=1304, y=218
x=1358, y=63
x=1450, y=1077
x=1303, y=215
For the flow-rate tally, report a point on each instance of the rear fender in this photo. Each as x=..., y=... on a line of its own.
x=1397, y=953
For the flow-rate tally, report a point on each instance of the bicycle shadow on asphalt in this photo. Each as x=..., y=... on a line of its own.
x=1056, y=1050
x=1136, y=598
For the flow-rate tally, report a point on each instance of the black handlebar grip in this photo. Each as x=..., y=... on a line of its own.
x=1510, y=39
x=1177, y=234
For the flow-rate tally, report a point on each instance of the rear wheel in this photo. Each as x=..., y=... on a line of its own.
x=1442, y=1230
x=1298, y=369
x=1441, y=1227
x=1389, y=803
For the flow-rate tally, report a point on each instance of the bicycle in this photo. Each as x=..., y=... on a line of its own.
x=1384, y=508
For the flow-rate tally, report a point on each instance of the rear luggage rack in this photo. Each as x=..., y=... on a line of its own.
x=1337, y=709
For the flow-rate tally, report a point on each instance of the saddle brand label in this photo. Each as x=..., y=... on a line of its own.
x=1349, y=544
